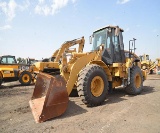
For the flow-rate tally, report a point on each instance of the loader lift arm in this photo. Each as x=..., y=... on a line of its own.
x=53, y=65
x=66, y=45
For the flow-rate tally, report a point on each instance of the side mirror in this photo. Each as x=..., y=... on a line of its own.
x=90, y=39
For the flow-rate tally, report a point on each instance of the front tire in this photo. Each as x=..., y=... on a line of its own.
x=92, y=85
x=25, y=78
x=136, y=81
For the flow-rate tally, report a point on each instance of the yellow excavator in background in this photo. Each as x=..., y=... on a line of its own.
x=147, y=64
x=92, y=74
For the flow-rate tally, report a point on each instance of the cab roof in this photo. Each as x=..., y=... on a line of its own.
x=109, y=26
x=7, y=56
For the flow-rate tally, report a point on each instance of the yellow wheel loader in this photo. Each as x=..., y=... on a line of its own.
x=158, y=62
x=92, y=74
x=10, y=70
x=158, y=66
x=147, y=64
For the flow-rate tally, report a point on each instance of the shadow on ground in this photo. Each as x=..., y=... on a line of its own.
x=72, y=110
x=119, y=94
x=147, y=90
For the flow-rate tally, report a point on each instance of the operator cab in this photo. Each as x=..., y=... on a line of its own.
x=112, y=39
x=8, y=59
x=144, y=57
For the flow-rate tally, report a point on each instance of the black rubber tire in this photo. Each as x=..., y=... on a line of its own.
x=132, y=89
x=21, y=78
x=84, y=85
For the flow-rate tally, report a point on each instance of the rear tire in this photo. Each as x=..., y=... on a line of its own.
x=136, y=81
x=92, y=85
x=25, y=78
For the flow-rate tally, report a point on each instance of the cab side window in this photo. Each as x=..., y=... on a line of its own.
x=4, y=60
x=8, y=60
x=109, y=44
x=11, y=60
x=115, y=40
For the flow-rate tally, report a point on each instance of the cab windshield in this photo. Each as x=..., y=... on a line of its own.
x=99, y=38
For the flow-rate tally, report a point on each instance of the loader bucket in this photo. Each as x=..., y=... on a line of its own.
x=50, y=97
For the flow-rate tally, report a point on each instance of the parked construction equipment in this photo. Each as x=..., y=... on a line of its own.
x=10, y=70
x=158, y=66
x=147, y=64
x=92, y=73
x=158, y=62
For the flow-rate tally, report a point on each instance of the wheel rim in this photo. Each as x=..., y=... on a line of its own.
x=137, y=80
x=97, y=86
x=25, y=78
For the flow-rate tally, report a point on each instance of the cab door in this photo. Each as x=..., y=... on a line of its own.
x=107, y=54
x=118, y=47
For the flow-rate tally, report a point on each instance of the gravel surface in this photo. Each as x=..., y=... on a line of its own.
x=120, y=113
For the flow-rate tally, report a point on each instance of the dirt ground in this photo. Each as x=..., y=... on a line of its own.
x=120, y=113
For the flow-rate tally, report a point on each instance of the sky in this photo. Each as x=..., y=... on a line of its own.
x=36, y=28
